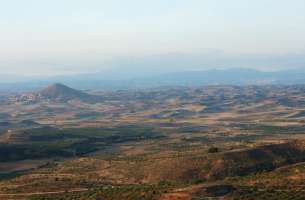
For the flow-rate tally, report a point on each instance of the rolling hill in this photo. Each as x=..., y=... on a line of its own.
x=60, y=92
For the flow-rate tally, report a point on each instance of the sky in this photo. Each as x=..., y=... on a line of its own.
x=53, y=37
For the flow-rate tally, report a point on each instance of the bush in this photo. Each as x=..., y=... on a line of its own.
x=213, y=150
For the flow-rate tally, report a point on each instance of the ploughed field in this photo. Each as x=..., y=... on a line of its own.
x=213, y=142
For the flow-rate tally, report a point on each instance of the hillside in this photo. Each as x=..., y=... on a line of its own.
x=153, y=144
x=60, y=92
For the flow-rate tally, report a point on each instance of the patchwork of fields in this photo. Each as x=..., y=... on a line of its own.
x=211, y=142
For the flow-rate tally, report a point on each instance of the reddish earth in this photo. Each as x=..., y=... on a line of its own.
x=176, y=196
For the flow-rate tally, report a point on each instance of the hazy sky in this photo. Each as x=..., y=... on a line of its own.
x=71, y=36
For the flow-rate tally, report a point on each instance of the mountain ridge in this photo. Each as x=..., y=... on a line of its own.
x=233, y=76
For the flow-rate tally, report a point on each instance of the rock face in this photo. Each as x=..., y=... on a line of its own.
x=60, y=92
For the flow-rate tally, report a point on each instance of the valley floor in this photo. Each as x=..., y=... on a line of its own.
x=217, y=142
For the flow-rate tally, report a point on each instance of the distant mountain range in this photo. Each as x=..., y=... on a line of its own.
x=100, y=81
